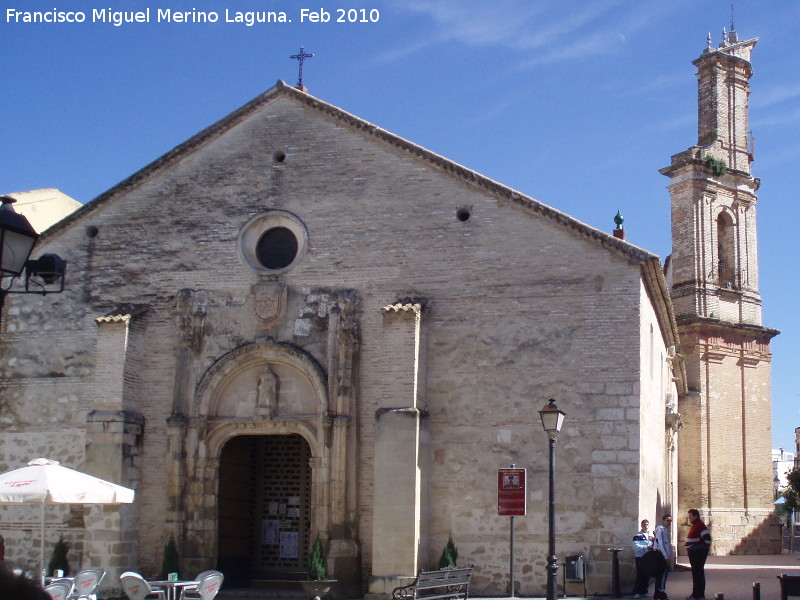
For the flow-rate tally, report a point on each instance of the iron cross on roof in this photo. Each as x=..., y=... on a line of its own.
x=302, y=56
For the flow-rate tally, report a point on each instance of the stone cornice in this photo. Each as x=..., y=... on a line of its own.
x=728, y=51
x=416, y=306
x=691, y=161
x=656, y=287
x=123, y=313
x=115, y=416
x=691, y=324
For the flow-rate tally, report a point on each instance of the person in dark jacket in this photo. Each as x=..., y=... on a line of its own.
x=642, y=542
x=19, y=587
x=698, y=543
x=662, y=543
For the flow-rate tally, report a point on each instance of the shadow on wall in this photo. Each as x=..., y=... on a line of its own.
x=764, y=539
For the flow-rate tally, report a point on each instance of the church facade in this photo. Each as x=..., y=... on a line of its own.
x=299, y=326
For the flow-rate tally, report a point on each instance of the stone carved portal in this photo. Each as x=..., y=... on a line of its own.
x=256, y=390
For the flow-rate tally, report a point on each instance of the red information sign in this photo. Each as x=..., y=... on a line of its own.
x=511, y=492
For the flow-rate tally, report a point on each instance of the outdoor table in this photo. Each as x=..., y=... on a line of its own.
x=173, y=587
x=70, y=580
x=54, y=579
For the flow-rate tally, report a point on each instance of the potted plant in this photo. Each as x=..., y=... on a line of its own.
x=169, y=563
x=318, y=585
x=449, y=555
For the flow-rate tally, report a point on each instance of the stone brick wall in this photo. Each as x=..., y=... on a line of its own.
x=732, y=412
x=696, y=206
x=659, y=393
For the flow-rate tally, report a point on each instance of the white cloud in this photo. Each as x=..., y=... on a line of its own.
x=775, y=95
x=539, y=31
x=664, y=125
x=646, y=87
x=773, y=118
x=777, y=158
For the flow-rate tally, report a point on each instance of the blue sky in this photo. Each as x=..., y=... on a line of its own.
x=577, y=104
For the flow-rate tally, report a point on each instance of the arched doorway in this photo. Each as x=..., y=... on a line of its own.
x=251, y=399
x=264, y=508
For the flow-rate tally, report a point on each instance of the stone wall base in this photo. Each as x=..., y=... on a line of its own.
x=380, y=588
x=739, y=532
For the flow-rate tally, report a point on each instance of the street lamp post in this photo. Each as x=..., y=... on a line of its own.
x=552, y=419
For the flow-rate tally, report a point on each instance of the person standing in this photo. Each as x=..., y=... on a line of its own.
x=662, y=543
x=642, y=542
x=698, y=543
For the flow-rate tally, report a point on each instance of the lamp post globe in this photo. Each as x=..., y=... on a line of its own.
x=552, y=420
x=17, y=238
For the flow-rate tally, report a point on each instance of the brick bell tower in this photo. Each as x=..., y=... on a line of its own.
x=724, y=449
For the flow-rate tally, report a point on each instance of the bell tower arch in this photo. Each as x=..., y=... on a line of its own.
x=724, y=466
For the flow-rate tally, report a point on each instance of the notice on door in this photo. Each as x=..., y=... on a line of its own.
x=269, y=532
x=511, y=496
x=289, y=544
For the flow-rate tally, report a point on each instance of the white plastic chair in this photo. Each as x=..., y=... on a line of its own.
x=190, y=591
x=136, y=588
x=59, y=590
x=208, y=584
x=85, y=584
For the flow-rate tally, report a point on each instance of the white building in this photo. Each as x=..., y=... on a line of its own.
x=782, y=463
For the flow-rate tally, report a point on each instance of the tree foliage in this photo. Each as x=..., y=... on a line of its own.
x=717, y=165
x=791, y=496
x=794, y=480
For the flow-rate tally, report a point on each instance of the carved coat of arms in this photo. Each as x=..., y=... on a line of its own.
x=269, y=300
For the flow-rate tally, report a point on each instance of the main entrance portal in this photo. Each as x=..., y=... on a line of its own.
x=264, y=508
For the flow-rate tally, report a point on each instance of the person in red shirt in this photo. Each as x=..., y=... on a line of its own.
x=698, y=543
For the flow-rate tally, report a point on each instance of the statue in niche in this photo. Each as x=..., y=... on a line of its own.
x=266, y=394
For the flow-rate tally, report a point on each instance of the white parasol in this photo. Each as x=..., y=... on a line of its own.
x=45, y=482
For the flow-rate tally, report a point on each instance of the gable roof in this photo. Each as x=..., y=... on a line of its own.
x=650, y=263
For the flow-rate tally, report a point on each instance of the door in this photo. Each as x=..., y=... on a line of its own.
x=264, y=507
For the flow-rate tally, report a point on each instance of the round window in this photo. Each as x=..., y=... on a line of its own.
x=277, y=248
x=273, y=242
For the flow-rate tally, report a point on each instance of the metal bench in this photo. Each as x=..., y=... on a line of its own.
x=436, y=585
x=790, y=585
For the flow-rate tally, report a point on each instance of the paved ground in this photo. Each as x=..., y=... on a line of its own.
x=732, y=576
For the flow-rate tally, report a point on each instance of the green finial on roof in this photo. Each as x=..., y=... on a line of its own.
x=618, y=219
